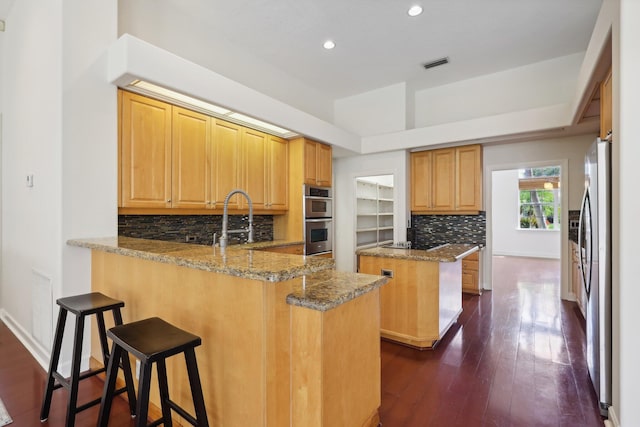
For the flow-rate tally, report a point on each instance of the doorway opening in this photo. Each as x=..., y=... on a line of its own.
x=527, y=219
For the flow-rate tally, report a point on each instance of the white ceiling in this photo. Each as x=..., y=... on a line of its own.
x=378, y=44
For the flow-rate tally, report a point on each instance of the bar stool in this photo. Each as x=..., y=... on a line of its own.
x=154, y=340
x=82, y=306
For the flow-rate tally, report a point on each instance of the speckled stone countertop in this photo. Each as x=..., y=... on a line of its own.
x=235, y=260
x=318, y=286
x=445, y=253
x=328, y=289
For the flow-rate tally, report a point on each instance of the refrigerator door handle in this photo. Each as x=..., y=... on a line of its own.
x=586, y=269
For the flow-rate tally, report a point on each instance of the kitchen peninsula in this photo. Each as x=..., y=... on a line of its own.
x=424, y=295
x=286, y=339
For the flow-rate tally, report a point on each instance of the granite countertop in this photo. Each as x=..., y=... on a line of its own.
x=318, y=286
x=328, y=289
x=450, y=252
x=235, y=260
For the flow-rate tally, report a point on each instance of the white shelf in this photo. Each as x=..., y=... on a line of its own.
x=374, y=218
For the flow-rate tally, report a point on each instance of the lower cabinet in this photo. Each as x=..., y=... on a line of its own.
x=576, y=278
x=470, y=274
x=421, y=300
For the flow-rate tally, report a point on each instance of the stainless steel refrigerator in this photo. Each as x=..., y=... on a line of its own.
x=594, y=237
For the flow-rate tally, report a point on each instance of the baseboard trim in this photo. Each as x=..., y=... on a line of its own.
x=39, y=353
x=613, y=418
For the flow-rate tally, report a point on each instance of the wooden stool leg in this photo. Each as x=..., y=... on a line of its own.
x=144, y=383
x=53, y=365
x=196, y=388
x=75, y=371
x=164, y=393
x=126, y=368
x=109, y=385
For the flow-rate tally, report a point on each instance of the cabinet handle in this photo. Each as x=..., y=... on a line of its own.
x=169, y=201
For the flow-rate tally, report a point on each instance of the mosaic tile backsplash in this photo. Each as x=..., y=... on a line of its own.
x=200, y=228
x=428, y=231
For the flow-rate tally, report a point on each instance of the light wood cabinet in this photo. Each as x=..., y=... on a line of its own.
x=226, y=174
x=277, y=173
x=317, y=164
x=447, y=180
x=470, y=274
x=265, y=168
x=145, y=152
x=420, y=301
x=469, y=178
x=191, y=167
x=443, y=180
x=576, y=278
x=304, y=168
x=172, y=157
x=254, y=165
x=606, y=106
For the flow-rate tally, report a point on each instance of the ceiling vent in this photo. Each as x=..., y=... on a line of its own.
x=436, y=63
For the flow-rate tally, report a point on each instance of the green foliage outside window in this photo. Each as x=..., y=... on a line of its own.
x=539, y=208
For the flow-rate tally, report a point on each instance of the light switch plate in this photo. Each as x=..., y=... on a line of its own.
x=29, y=181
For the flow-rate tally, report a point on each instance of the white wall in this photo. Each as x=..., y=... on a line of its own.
x=626, y=205
x=345, y=171
x=569, y=154
x=32, y=144
x=536, y=85
x=374, y=112
x=508, y=238
x=59, y=125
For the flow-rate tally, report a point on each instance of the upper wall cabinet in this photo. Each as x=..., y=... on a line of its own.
x=171, y=157
x=145, y=152
x=317, y=164
x=606, y=106
x=447, y=181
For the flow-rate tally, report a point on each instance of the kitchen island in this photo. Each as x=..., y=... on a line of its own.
x=424, y=295
x=286, y=339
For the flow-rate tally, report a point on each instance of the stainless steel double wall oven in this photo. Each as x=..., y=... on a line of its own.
x=318, y=220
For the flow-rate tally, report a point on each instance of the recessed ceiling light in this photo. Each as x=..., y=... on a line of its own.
x=414, y=10
x=329, y=44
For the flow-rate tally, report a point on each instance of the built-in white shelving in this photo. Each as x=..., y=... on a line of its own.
x=374, y=214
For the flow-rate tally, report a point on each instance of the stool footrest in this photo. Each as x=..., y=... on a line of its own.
x=184, y=414
x=66, y=382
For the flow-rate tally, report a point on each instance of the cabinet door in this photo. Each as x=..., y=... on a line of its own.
x=421, y=181
x=443, y=177
x=226, y=173
x=606, y=106
x=278, y=173
x=145, y=152
x=310, y=162
x=191, y=159
x=323, y=165
x=254, y=174
x=469, y=178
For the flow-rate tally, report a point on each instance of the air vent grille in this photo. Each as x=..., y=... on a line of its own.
x=436, y=62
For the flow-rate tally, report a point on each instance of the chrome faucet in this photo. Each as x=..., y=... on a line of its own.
x=225, y=220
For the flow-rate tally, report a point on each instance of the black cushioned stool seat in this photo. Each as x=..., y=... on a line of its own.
x=153, y=341
x=82, y=306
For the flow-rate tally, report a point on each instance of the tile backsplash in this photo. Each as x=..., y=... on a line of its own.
x=200, y=228
x=428, y=231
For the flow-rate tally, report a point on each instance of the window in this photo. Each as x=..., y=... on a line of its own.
x=539, y=198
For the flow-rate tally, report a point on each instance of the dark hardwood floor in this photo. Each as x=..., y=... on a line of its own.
x=515, y=358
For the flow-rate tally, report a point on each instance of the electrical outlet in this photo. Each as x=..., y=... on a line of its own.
x=190, y=238
x=574, y=224
x=137, y=369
